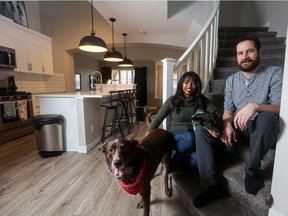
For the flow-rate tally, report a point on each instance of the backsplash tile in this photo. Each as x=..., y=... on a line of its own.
x=36, y=83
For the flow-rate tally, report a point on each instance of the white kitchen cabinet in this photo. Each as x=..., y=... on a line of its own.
x=26, y=56
x=46, y=59
x=6, y=32
x=33, y=50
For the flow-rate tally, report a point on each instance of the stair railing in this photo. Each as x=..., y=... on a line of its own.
x=199, y=57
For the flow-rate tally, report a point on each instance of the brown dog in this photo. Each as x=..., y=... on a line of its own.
x=135, y=163
x=150, y=117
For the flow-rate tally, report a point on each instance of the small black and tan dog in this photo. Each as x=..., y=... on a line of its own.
x=135, y=163
x=212, y=122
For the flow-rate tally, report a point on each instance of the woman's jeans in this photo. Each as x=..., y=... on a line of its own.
x=184, y=146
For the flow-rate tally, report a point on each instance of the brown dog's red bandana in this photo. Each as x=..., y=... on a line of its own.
x=135, y=186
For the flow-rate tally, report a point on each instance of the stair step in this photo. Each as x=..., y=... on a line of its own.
x=265, y=60
x=216, y=98
x=234, y=179
x=236, y=35
x=265, y=51
x=188, y=187
x=264, y=42
x=224, y=72
x=231, y=166
x=217, y=86
x=242, y=29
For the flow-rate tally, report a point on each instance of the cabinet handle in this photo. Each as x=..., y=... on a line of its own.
x=29, y=66
x=43, y=68
x=9, y=58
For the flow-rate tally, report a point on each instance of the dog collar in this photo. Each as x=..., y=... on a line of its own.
x=135, y=186
x=194, y=122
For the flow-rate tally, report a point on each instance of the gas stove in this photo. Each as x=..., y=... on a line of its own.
x=11, y=125
x=6, y=95
x=13, y=96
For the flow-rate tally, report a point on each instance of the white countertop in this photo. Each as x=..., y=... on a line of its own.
x=88, y=94
x=77, y=95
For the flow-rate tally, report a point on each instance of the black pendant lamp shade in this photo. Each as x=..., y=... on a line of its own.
x=113, y=56
x=126, y=62
x=91, y=43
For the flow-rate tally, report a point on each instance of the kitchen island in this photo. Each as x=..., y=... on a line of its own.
x=82, y=113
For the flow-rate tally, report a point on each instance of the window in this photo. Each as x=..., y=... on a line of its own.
x=77, y=81
x=122, y=76
x=159, y=80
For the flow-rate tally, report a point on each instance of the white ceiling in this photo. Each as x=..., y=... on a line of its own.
x=156, y=27
x=173, y=23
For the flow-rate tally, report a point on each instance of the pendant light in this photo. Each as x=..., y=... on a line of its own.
x=91, y=43
x=126, y=62
x=113, y=56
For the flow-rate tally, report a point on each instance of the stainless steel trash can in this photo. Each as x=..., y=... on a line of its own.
x=48, y=131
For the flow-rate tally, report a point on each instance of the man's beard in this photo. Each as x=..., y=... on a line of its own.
x=251, y=67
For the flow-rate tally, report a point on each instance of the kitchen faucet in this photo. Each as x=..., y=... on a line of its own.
x=93, y=74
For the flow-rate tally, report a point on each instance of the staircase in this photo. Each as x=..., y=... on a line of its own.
x=231, y=165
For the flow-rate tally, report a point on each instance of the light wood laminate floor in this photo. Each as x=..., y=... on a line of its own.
x=70, y=184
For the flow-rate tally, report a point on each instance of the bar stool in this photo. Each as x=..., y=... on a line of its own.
x=124, y=111
x=113, y=104
x=131, y=107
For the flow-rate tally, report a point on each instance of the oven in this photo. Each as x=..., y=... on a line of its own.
x=16, y=113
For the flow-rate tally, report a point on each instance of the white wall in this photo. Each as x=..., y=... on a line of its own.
x=85, y=66
x=279, y=188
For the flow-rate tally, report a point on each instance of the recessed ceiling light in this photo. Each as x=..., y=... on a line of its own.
x=142, y=31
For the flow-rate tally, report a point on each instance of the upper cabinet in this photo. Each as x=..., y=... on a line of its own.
x=33, y=50
x=6, y=32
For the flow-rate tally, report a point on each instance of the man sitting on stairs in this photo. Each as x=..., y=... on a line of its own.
x=251, y=108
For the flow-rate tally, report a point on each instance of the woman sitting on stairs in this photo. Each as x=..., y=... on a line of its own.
x=188, y=143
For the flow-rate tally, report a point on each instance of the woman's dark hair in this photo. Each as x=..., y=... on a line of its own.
x=178, y=98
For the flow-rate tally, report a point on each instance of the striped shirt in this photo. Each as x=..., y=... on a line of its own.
x=264, y=87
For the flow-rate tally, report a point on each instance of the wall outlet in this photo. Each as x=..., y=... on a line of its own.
x=72, y=102
x=92, y=128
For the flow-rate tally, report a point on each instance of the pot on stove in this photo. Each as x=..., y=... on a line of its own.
x=11, y=84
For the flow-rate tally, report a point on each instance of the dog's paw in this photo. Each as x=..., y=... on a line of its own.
x=139, y=205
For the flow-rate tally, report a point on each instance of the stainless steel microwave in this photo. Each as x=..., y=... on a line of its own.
x=7, y=58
